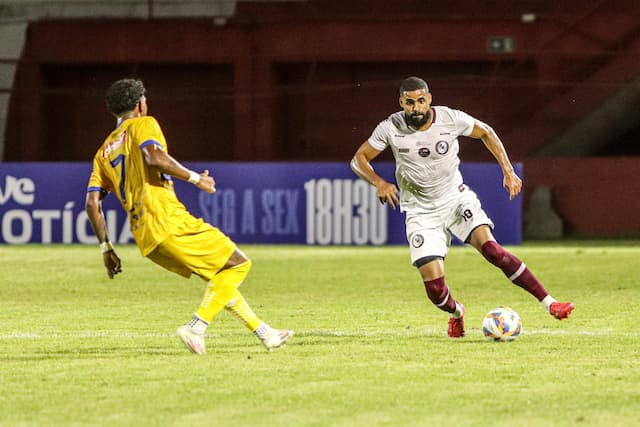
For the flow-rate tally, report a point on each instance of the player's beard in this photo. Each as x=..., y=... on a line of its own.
x=415, y=121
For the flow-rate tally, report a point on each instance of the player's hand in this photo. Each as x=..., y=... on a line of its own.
x=207, y=183
x=513, y=184
x=112, y=263
x=387, y=193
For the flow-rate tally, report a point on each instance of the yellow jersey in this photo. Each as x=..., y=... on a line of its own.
x=146, y=194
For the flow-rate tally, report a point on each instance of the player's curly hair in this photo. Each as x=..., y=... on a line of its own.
x=123, y=95
x=413, y=83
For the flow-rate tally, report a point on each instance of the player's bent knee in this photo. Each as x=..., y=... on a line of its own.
x=243, y=270
x=245, y=266
x=233, y=276
x=240, y=271
x=426, y=260
x=237, y=258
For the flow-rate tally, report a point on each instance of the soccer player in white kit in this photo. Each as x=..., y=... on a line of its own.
x=437, y=203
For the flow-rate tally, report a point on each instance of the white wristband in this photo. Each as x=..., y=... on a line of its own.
x=106, y=247
x=194, y=177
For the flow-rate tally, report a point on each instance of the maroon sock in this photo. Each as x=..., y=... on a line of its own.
x=514, y=269
x=438, y=293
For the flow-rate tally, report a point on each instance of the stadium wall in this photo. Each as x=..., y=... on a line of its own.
x=313, y=91
x=595, y=197
x=308, y=90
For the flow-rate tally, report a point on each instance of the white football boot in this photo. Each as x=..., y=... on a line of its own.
x=193, y=341
x=276, y=338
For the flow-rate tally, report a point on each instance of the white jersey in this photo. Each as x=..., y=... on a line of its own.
x=427, y=162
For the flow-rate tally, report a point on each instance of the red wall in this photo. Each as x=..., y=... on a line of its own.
x=594, y=196
x=308, y=90
x=313, y=89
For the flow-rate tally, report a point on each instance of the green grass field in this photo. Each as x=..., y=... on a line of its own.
x=77, y=349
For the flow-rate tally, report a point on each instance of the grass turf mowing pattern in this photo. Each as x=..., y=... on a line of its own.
x=79, y=349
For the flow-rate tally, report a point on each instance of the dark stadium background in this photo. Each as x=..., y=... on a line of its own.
x=308, y=81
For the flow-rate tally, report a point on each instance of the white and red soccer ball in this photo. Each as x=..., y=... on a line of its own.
x=501, y=324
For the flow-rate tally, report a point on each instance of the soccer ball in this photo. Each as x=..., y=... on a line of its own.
x=501, y=324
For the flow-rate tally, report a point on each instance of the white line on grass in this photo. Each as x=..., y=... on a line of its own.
x=29, y=335
x=437, y=332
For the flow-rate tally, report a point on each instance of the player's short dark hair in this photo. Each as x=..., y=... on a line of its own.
x=413, y=83
x=123, y=95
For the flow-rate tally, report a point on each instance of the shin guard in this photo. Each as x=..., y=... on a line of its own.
x=514, y=269
x=438, y=293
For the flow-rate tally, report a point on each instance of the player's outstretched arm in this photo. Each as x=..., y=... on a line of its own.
x=110, y=258
x=361, y=166
x=511, y=182
x=156, y=157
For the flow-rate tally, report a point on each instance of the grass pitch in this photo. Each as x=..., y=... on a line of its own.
x=78, y=349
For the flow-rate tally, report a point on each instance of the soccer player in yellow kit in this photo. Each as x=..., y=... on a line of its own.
x=134, y=164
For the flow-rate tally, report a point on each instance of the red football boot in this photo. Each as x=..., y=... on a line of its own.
x=456, y=326
x=561, y=310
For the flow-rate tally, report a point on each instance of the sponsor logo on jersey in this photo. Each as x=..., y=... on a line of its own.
x=424, y=152
x=113, y=145
x=403, y=150
x=442, y=147
x=417, y=240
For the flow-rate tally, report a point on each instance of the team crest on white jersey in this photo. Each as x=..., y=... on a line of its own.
x=442, y=147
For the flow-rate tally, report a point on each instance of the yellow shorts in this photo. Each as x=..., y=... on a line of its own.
x=196, y=248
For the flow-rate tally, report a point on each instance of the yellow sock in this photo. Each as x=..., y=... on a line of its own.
x=241, y=311
x=222, y=292
x=216, y=296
